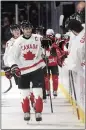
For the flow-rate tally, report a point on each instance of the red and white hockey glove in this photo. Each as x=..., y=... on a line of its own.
x=15, y=70
x=61, y=55
x=8, y=72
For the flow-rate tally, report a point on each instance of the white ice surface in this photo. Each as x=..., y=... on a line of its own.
x=64, y=116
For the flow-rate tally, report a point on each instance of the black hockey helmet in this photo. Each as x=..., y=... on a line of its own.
x=21, y=24
x=26, y=24
x=39, y=28
x=75, y=25
x=14, y=26
x=77, y=16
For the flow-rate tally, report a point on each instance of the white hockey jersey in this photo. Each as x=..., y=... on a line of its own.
x=72, y=36
x=9, y=45
x=77, y=53
x=26, y=53
x=39, y=35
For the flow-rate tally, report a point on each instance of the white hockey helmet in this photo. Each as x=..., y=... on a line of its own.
x=58, y=36
x=50, y=32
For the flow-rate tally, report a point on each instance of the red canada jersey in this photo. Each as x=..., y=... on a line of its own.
x=52, y=60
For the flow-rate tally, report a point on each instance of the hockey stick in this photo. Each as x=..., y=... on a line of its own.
x=70, y=87
x=9, y=86
x=75, y=95
x=49, y=82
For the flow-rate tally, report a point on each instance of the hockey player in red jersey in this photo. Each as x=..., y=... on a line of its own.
x=25, y=61
x=52, y=66
x=56, y=53
x=61, y=47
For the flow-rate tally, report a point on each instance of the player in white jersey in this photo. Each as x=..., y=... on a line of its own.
x=71, y=35
x=76, y=56
x=25, y=61
x=15, y=31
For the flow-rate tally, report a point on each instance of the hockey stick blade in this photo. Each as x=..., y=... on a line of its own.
x=9, y=87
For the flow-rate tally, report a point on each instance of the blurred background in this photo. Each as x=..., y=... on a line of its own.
x=39, y=13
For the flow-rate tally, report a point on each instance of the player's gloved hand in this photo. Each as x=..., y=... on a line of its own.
x=61, y=59
x=45, y=58
x=45, y=43
x=8, y=72
x=15, y=70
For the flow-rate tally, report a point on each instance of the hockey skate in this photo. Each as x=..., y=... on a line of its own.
x=27, y=116
x=55, y=93
x=38, y=116
x=48, y=93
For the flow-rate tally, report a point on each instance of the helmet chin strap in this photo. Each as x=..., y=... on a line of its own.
x=75, y=33
x=27, y=37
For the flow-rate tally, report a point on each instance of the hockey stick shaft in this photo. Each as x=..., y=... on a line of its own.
x=70, y=87
x=48, y=83
x=50, y=92
x=75, y=96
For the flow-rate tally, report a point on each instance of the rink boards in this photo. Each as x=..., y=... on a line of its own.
x=2, y=73
x=79, y=85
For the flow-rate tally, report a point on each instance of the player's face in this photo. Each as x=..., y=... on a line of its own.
x=80, y=6
x=16, y=32
x=27, y=31
x=50, y=37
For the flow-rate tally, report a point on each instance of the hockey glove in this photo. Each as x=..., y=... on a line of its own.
x=45, y=58
x=15, y=70
x=45, y=43
x=8, y=72
x=61, y=59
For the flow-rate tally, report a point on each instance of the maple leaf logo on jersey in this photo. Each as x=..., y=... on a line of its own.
x=29, y=56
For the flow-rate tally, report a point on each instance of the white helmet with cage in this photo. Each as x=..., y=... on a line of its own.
x=50, y=32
